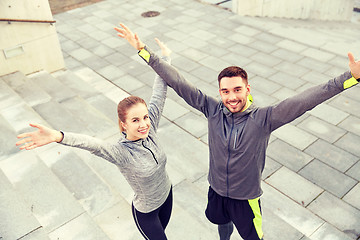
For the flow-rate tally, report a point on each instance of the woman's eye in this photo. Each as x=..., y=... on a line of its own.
x=146, y=117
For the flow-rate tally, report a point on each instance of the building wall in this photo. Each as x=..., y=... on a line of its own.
x=333, y=10
x=28, y=47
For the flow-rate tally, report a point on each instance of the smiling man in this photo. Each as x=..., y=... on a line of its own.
x=238, y=135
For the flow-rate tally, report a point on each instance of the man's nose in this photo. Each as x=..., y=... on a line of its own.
x=232, y=96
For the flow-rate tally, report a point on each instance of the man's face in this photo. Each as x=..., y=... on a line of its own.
x=234, y=92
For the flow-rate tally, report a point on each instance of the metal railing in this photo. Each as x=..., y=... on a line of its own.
x=26, y=20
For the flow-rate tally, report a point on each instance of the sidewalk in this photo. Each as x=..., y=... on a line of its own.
x=312, y=174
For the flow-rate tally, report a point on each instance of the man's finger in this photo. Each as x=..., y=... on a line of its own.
x=351, y=58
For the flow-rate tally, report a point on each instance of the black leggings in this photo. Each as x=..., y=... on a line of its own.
x=152, y=225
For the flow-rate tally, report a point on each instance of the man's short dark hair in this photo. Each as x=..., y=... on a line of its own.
x=233, y=71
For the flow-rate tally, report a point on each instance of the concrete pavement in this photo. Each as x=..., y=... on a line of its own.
x=312, y=174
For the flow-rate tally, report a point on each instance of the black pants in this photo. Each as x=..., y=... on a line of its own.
x=152, y=225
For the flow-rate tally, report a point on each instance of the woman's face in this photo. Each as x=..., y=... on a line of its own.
x=137, y=123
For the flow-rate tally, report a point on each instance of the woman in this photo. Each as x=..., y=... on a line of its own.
x=137, y=154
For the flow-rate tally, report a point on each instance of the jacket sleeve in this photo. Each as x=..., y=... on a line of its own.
x=293, y=107
x=157, y=100
x=192, y=95
x=95, y=146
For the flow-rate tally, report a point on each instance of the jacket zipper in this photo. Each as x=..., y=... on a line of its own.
x=150, y=151
x=227, y=164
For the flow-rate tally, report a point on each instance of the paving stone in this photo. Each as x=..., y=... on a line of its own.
x=316, y=66
x=288, y=155
x=276, y=228
x=350, y=143
x=271, y=166
x=91, y=192
x=194, y=124
x=216, y=51
x=262, y=99
x=243, y=50
x=331, y=115
x=52, y=86
x=128, y=83
x=292, y=213
x=240, y=38
x=353, y=197
x=294, y=186
x=205, y=74
x=191, y=159
x=327, y=231
x=95, y=62
x=292, y=69
x=260, y=69
x=338, y=213
x=328, y=178
x=16, y=219
x=236, y=60
x=44, y=194
x=184, y=64
x=321, y=129
x=346, y=104
x=80, y=54
x=263, y=46
x=111, y=72
x=264, y=85
x=291, y=45
x=194, y=54
x=214, y=63
x=81, y=227
x=286, y=55
x=331, y=155
x=315, y=77
x=38, y=234
x=286, y=80
x=266, y=59
x=173, y=110
x=354, y=171
x=318, y=54
x=295, y=136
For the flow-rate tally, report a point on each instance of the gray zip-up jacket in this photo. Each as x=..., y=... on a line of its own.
x=142, y=162
x=238, y=141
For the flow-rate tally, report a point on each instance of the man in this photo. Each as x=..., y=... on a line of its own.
x=238, y=136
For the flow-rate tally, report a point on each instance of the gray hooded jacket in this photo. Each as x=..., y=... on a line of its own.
x=142, y=162
x=238, y=141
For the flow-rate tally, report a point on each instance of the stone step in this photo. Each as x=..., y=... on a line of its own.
x=7, y=139
x=83, y=183
x=52, y=86
x=26, y=89
x=43, y=193
x=17, y=220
